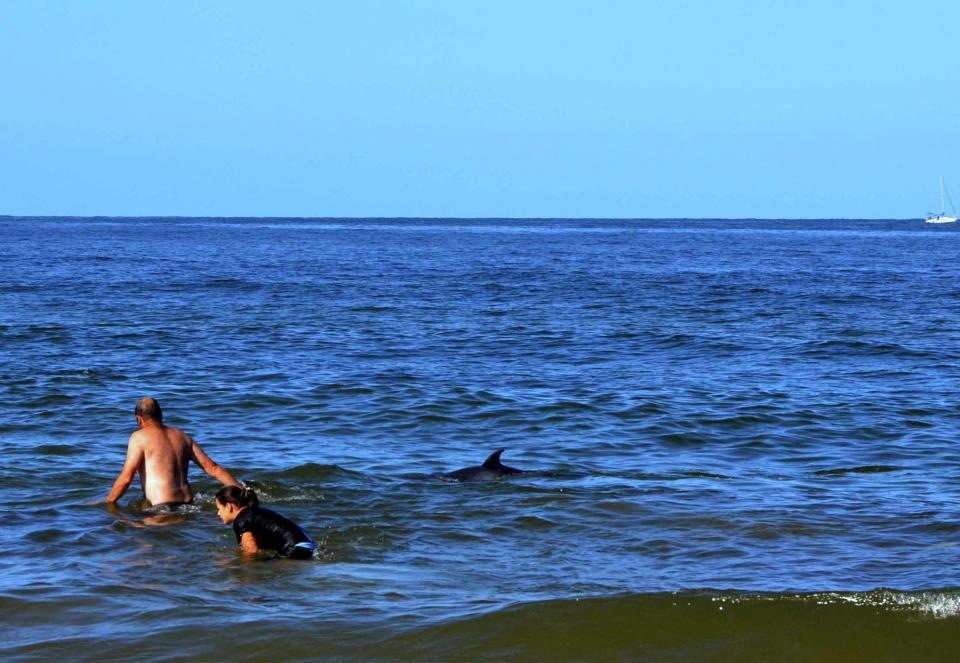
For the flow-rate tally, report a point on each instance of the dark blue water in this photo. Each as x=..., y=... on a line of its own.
x=735, y=427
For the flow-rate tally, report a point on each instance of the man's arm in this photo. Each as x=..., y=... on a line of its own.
x=130, y=465
x=210, y=466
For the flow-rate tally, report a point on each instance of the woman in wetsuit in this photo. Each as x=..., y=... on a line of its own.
x=259, y=529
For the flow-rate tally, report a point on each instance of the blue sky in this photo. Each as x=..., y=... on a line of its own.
x=683, y=108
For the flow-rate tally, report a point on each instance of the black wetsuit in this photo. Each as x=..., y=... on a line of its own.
x=273, y=531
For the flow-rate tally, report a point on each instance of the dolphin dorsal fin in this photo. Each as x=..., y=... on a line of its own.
x=493, y=460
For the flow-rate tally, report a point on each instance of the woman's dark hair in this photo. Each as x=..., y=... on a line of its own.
x=237, y=495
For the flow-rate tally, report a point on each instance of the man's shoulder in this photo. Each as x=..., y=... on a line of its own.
x=159, y=436
x=174, y=433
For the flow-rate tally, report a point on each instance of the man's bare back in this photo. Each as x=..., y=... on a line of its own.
x=161, y=455
x=165, y=453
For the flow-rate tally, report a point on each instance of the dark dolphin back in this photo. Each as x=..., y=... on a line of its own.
x=491, y=470
x=493, y=463
x=493, y=460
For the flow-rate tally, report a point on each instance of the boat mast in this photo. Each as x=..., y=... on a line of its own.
x=942, y=208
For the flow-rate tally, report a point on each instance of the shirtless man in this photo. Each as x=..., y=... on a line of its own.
x=161, y=456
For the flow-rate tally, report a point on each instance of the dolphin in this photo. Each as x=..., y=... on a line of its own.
x=491, y=470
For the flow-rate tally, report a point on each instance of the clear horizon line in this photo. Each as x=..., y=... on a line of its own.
x=462, y=218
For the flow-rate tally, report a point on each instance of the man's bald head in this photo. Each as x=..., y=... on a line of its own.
x=149, y=410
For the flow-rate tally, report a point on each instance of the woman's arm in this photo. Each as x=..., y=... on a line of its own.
x=248, y=544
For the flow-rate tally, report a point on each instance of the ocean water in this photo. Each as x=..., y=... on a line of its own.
x=742, y=437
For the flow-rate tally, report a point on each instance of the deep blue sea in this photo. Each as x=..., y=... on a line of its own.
x=742, y=437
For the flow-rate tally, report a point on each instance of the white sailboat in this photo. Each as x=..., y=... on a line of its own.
x=942, y=217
